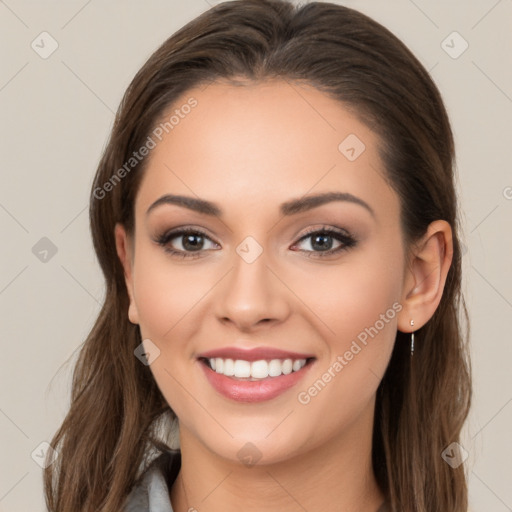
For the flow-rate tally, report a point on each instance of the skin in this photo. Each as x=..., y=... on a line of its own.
x=249, y=149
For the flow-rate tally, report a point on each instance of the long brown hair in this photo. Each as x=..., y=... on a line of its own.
x=422, y=402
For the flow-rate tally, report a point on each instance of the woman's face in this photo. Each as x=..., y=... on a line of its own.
x=267, y=274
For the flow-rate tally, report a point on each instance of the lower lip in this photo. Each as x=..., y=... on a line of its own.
x=256, y=390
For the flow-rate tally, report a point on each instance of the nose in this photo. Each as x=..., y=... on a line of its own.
x=252, y=295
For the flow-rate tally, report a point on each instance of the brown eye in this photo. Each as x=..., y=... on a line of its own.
x=182, y=242
x=321, y=241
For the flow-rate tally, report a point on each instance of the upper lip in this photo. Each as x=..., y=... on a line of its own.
x=253, y=354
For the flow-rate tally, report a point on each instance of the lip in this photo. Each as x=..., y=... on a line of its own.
x=253, y=354
x=253, y=391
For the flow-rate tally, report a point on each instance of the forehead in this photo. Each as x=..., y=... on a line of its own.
x=262, y=141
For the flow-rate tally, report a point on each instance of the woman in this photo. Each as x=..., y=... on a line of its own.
x=276, y=220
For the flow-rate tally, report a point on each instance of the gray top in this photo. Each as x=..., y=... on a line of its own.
x=151, y=492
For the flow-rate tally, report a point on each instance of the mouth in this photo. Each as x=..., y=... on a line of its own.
x=256, y=375
x=240, y=369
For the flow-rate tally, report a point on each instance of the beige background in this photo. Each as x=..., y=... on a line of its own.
x=56, y=113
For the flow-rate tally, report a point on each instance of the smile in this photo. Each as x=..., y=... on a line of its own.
x=254, y=381
x=255, y=370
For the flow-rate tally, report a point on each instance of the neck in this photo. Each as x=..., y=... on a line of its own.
x=335, y=476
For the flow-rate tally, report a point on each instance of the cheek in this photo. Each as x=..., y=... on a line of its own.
x=166, y=293
x=367, y=302
x=358, y=305
x=362, y=292
x=168, y=299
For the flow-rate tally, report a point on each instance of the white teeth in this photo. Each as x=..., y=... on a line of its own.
x=297, y=365
x=255, y=370
x=287, y=366
x=259, y=369
x=274, y=368
x=229, y=367
x=242, y=368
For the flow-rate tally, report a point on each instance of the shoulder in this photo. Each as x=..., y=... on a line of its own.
x=151, y=492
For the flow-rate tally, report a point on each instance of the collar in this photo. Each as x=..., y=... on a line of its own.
x=151, y=492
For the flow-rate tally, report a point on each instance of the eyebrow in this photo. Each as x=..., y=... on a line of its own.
x=288, y=208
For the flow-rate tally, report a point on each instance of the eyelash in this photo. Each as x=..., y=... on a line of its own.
x=346, y=239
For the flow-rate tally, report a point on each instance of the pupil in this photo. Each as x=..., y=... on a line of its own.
x=188, y=242
x=323, y=245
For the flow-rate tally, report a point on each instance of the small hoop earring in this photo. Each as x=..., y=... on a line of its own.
x=412, y=339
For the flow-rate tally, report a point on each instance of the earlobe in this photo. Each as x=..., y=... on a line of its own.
x=426, y=276
x=124, y=252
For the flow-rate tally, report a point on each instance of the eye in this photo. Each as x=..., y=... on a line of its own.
x=192, y=242
x=321, y=242
x=189, y=241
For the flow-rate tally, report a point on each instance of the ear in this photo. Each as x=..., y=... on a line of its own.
x=425, y=276
x=125, y=250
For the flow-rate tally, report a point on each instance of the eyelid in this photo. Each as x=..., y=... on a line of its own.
x=325, y=228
